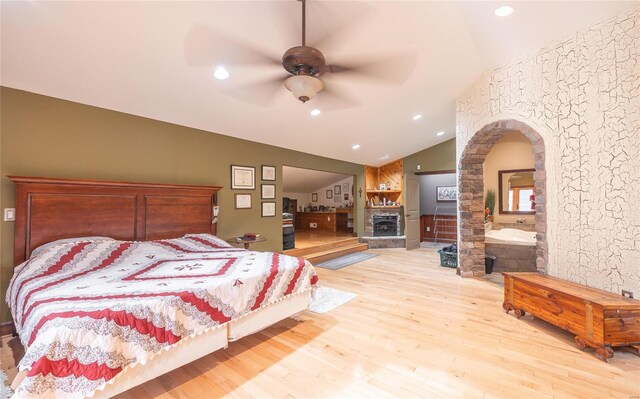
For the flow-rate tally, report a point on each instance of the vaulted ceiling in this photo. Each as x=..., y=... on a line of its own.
x=299, y=180
x=156, y=59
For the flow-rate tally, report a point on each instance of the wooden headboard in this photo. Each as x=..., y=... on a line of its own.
x=51, y=209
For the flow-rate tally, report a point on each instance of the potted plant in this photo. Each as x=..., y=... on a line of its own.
x=489, y=204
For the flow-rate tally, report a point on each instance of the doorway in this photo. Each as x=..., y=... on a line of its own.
x=471, y=193
x=318, y=207
x=438, y=208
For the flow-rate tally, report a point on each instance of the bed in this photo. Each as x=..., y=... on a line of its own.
x=128, y=281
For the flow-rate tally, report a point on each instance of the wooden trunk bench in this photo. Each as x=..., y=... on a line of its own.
x=599, y=319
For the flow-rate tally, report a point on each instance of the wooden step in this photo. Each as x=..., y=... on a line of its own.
x=322, y=247
x=323, y=256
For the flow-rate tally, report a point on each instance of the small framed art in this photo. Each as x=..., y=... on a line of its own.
x=346, y=196
x=345, y=187
x=314, y=197
x=243, y=177
x=446, y=193
x=268, y=191
x=268, y=173
x=243, y=201
x=337, y=190
x=329, y=194
x=268, y=209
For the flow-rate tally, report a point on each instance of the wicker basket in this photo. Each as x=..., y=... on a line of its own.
x=448, y=259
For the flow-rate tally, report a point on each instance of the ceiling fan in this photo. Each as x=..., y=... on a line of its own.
x=303, y=63
x=307, y=71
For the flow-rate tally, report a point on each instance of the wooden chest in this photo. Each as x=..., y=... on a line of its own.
x=599, y=319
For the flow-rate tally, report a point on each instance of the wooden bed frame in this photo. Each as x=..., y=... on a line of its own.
x=50, y=209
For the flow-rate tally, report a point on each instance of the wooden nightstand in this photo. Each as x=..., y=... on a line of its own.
x=247, y=243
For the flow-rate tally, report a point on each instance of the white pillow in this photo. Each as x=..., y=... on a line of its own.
x=48, y=245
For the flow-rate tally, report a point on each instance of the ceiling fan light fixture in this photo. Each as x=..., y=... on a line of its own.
x=304, y=87
x=221, y=73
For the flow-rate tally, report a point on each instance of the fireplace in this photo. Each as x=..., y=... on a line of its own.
x=385, y=225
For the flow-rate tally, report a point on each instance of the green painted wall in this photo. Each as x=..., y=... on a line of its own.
x=44, y=136
x=438, y=157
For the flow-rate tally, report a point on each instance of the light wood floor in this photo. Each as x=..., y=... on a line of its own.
x=307, y=239
x=414, y=330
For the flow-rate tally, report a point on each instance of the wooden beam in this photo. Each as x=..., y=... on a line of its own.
x=436, y=172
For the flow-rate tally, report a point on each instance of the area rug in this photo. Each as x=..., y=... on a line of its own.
x=5, y=391
x=344, y=261
x=325, y=299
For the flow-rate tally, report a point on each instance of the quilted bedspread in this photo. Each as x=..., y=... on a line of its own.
x=85, y=310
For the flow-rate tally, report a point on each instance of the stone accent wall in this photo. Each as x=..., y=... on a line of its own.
x=582, y=96
x=471, y=250
x=512, y=258
x=517, y=226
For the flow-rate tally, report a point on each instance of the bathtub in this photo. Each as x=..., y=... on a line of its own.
x=511, y=237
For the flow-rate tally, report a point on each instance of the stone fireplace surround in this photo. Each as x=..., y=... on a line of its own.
x=381, y=225
x=398, y=241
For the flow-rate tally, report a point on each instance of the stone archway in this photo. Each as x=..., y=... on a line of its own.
x=471, y=195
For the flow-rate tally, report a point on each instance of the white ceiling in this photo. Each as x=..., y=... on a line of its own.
x=298, y=180
x=156, y=59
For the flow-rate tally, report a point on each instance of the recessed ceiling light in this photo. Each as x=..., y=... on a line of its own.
x=416, y=117
x=439, y=133
x=504, y=11
x=355, y=146
x=315, y=112
x=221, y=73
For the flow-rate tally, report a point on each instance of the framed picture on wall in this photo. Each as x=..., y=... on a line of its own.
x=329, y=194
x=446, y=193
x=243, y=201
x=268, y=173
x=345, y=187
x=337, y=198
x=268, y=209
x=268, y=191
x=346, y=196
x=314, y=197
x=337, y=190
x=243, y=177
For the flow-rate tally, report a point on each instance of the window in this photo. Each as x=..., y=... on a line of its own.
x=520, y=199
x=524, y=201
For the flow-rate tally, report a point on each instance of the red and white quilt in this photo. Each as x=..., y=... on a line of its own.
x=86, y=310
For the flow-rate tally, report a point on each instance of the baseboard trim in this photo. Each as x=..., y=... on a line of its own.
x=7, y=328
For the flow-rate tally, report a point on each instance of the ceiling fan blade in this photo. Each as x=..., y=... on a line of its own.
x=331, y=98
x=261, y=93
x=329, y=23
x=205, y=46
x=392, y=69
